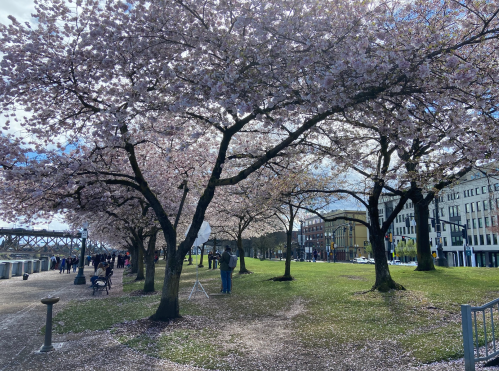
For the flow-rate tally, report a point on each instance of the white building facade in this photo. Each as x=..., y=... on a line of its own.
x=472, y=202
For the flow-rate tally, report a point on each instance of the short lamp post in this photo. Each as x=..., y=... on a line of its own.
x=80, y=278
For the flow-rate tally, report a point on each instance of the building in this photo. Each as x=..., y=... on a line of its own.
x=313, y=230
x=473, y=203
x=350, y=238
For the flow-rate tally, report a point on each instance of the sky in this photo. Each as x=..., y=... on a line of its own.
x=21, y=10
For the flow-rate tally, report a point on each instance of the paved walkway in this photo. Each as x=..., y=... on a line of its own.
x=22, y=315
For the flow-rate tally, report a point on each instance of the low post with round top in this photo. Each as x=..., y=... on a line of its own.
x=47, y=346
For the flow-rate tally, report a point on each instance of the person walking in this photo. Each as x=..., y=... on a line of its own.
x=315, y=255
x=68, y=265
x=75, y=264
x=53, y=262
x=210, y=259
x=63, y=265
x=225, y=271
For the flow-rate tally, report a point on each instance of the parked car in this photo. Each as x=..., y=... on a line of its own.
x=394, y=262
x=370, y=261
x=360, y=260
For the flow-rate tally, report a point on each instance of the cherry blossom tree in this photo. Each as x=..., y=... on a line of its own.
x=235, y=82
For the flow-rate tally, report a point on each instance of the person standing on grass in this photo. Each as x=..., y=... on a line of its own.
x=315, y=255
x=225, y=270
x=210, y=259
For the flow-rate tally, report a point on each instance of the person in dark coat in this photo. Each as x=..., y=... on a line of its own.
x=225, y=271
x=68, y=265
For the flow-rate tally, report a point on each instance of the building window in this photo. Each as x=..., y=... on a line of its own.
x=474, y=223
x=404, y=230
x=472, y=207
x=496, y=187
x=443, y=227
x=467, y=208
x=445, y=241
x=487, y=221
x=489, y=240
x=480, y=223
x=464, y=192
x=478, y=207
x=453, y=211
x=492, y=221
x=484, y=189
x=481, y=240
x=485, y=205
x=468, y=223
x=494, y=238
x=477, y=190
x=457, y=241
x=471, y=192
x=475, y=238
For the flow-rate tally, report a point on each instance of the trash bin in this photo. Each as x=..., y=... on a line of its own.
x=25, y=276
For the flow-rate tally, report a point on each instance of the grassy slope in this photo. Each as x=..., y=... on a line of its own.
x=335, y=308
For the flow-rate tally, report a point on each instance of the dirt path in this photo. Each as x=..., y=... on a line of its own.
x=22, y=315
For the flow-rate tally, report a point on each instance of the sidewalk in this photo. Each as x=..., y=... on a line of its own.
x=22, y=315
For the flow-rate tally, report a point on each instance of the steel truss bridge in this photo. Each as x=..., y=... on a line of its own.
x=20, y=240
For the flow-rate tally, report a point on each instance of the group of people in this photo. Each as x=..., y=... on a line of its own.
x=64, y=263
x=225, y=271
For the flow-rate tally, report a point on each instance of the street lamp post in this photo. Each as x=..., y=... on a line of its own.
x=80, y=278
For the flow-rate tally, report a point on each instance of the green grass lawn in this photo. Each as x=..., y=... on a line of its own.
x=326, y=304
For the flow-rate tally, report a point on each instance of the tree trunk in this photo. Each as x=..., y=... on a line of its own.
x=421, y=214
x=242, y=262
x=200, y=265
x=169, y=305
x=287, y=264
x=190, y=256
x=150, y=267
x=384, y=281
x=140, y=264
x=134, y=260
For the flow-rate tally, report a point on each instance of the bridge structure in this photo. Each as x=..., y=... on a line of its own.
x=44, y=242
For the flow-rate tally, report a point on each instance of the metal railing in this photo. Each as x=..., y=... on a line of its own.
x=479, y=337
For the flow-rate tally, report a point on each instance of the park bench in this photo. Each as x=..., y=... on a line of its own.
x=100, y=284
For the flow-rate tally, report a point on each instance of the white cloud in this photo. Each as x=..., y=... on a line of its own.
x=20, y=9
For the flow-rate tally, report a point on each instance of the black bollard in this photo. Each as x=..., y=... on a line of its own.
x=47, y=346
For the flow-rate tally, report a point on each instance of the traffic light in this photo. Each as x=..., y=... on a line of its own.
x=387, y=237
x=403, y=238
x=332, y=245
x=391, y=237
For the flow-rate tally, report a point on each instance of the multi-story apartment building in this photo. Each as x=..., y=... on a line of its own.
x=472, y=202
x=313, y=232
x=350, y=238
